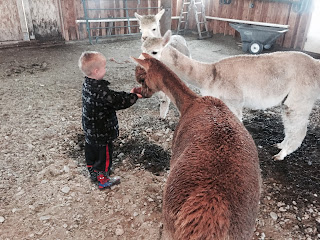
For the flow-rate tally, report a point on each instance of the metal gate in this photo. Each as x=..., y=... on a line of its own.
x=107, y=18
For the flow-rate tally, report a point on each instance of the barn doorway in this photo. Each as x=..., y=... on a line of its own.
x=313, y=37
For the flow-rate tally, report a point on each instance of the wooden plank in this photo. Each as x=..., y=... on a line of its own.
x=103, y=14
x=251, y=12
x=165, y=21
x=226, y=13
x=220, y=25
x=150, y=11
x=245, y=11
x=23, y=21
x=232, y=13
x=79, y=14
x=215, y=13
x=8, y=24
x=273, y=11
x=258, y=11
x=282, y=18
x=122, y=14
x=89, y=5
x=293, y=20
x=144, y=4
x=208, y=9
x=69, y=20
x=45, y=20
x=239, y=13
x=116, y=15
x=174, y=7
x=302, y=31
x=175, y=12
x=29, y=20
x=264, y=13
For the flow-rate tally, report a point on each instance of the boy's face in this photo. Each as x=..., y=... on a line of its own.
x=101, y=70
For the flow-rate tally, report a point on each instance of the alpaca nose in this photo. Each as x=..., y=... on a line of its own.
x=144, y=38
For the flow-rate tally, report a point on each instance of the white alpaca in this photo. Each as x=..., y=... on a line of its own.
x=252, y=81
x=150, y=27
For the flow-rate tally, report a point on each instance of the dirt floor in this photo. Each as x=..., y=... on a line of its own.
x=45, y=189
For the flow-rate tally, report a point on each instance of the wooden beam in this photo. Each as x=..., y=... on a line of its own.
x=165, y=21
x=23, y=20
x=248, y=22
x=105, y=20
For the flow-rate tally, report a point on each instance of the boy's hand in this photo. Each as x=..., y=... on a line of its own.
x=137, y=91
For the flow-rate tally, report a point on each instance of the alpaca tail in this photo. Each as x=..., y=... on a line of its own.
x=203, y=216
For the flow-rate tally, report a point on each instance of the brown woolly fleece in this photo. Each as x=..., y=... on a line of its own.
x=213, y=188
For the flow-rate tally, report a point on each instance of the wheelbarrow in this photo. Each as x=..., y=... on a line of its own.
x=256, y=38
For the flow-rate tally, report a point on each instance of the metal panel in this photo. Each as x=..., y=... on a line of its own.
x=122, y=22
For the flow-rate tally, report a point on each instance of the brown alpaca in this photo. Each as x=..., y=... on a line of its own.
x=213, y=188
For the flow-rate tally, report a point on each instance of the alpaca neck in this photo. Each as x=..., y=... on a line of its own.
x=175, y=89
x=189, y=70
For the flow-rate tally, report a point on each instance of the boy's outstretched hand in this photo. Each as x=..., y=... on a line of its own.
x=137, y=90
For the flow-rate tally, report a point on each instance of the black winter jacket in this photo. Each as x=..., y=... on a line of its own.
x=99, y=105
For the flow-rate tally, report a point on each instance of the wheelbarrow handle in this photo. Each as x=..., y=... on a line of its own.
x=283, y=31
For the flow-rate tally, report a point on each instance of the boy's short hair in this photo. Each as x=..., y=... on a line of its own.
x=89, y=60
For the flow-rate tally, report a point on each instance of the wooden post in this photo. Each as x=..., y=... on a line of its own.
x=165, y=21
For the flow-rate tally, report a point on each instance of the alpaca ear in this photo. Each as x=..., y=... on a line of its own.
x=159, y=15
x=143, y=63
x=138, y=16
x=166, y=38
x=146, y=55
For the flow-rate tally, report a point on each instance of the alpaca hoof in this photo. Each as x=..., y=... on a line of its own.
x=278, y=157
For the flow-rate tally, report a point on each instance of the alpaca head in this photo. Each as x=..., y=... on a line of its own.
x=149, y=69
x=149, y=25
x=154, y=46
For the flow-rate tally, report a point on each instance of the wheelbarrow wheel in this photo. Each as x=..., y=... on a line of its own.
x=255, y=47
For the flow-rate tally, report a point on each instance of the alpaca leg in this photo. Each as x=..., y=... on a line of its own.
x=235, y=108
x=284, y=111
x=234, y=101
x=164, y=105
x=295, y=121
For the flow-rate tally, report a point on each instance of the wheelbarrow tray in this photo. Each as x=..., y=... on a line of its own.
x=264, y=36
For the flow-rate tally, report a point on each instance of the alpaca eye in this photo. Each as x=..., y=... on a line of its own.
x=153, y=29
x=154, y=53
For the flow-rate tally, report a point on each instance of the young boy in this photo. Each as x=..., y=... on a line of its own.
x=99, y=119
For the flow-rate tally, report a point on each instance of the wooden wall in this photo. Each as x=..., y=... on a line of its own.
x=56, y=19
x=30, y=19
x=262, y=11
x=46, y=21
x=9, y=28
x=72, y=10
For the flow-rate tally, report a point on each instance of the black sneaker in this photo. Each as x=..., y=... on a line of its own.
x=93, y=174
